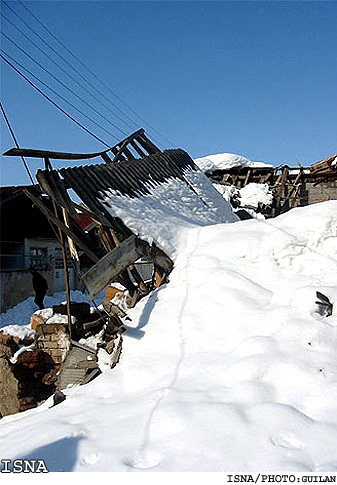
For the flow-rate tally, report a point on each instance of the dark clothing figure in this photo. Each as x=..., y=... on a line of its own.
x=40, y=287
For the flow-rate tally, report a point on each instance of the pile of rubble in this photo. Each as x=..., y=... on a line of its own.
x=56, y=356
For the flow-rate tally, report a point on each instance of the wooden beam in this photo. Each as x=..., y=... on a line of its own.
x=31, y=153
x=247, y=177
x=147, y=144
x=65, y=270
x=283, y=180
x=120, y=154
x=62, y=226
x=322, y=165
x=106, y=157
x=293, y=201
x=55, y=188
x=296, y=185
x=110, y=266
x=137, y=148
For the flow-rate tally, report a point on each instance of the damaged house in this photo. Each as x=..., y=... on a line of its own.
x=137, y=196
x=290, y=187
x=28, y=240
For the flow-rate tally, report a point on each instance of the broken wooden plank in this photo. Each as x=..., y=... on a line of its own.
x=137, y=148
x=247, y=177
x=116, y=352
x=322, y=165
x=108, y=268
x=60, y=225
x=31, y=153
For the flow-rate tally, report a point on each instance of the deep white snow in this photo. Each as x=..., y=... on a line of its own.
x=229, y=367
x=225, y=161
x=252, y=195
x=170, y=208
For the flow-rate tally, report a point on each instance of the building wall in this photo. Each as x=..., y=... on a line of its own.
x=17, y=285
x=322, y=192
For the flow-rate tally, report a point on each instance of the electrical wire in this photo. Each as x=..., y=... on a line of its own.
x=62, y=84
x=16, y=142
x=92, y=73
x=62, y=69
x=59, y=95
x=53, y=102
x=67, y=63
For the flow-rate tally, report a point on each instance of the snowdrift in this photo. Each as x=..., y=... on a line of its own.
x=227, y=368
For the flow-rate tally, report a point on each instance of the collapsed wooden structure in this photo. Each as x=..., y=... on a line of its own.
x=133, y=172
x=291, y=187
x=134, y=168
x=127, y=167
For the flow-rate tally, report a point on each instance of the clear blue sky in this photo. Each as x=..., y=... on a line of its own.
x=254, y=78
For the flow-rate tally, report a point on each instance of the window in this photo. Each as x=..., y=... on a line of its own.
x=38, y=257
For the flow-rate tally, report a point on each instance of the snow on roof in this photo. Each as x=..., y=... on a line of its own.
x=170, y=207
x=226, y=161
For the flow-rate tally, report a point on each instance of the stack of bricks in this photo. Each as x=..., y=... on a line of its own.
x=54, y=339
x=13, y=342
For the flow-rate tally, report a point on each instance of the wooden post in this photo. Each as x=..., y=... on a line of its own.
x=61, y=226
x=65, y=269
x=247, y=177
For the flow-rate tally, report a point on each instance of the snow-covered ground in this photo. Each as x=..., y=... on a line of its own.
x=229, y=367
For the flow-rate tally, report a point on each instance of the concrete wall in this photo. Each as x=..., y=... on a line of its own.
x=16, y=286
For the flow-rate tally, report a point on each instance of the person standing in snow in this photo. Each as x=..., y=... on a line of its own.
x=40, y=287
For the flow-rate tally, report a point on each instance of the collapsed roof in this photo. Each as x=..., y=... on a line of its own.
x=291, y=187
x=139, y=199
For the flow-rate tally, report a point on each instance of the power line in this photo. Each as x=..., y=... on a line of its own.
x=68, y=64
x=59, y=95
x=16, y=142
x=53, y=102
x=62, y=84
x=62, y=69
x=92, y=73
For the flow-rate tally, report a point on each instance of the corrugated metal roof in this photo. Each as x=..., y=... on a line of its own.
x=71, y=374
x=133, y=178
x=129, y=177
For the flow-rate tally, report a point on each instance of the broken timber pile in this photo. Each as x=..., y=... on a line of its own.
x=291, y=187
x=133, y=169
x=117, y=245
